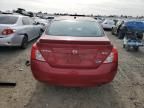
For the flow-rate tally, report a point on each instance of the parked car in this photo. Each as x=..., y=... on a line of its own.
x=42, y=22
x=108, y=24
x=116, y=28
x=17, y=30
x=128, y=26
x=49, y=17
x=74, y=52
x=100, y=20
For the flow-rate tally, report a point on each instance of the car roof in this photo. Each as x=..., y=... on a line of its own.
x=74, y=18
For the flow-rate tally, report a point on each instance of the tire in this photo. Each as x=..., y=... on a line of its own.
x=112, y=32
x=24, y=43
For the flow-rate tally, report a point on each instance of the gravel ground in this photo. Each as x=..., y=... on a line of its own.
x=126, y=91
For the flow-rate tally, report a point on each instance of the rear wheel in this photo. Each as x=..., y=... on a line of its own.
x=24, y=43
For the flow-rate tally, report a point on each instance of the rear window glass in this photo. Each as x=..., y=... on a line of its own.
x=75, y=28
x=8, y=19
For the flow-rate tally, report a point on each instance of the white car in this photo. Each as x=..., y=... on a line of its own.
x=99, y=20
x=17, y=30
x=42, y=22
x=108, y=24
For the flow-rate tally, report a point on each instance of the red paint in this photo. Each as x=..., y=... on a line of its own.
x=8, y=31
x=74, y=61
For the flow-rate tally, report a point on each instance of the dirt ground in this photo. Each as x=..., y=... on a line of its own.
x=126, y=91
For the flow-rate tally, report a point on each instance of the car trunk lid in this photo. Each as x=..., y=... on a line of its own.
x=74, y=52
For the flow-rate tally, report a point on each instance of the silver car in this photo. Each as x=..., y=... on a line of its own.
x=17, y=30
x=43, y=22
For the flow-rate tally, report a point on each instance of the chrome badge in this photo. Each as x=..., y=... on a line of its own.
x=74, y=52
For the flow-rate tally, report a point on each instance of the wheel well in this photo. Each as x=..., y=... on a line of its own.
x=26, y=35
x=41, y=30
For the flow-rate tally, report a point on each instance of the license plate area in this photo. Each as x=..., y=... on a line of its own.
x=74, y=59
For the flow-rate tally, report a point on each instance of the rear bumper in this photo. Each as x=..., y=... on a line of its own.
x=106, y=27
x=73, y=77
x=12, y=40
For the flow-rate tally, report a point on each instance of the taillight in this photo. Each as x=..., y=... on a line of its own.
x=35, y=54
x=113, y=56
x=8, y=31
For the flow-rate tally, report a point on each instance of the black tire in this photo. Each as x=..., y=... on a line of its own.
x=112, y=32
x=24, y=43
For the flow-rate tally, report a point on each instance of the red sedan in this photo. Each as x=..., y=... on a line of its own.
x=75, y=53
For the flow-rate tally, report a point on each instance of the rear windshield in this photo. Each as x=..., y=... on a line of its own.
x=75, y=28
x=8, y=19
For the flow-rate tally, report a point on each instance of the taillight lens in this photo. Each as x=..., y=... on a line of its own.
x=35, y=54
x=113, y=57
x=8, y=31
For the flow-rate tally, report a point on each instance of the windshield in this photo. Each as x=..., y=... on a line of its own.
x=8, y=19
x=75, y=28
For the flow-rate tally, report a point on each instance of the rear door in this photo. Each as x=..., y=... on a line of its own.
x=28, y=28
x=36, y=28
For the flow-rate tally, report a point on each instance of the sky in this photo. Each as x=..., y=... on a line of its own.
x=101, y=7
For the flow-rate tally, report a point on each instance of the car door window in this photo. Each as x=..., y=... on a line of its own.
x=31, y=21
x=8, y=19
x=26, y=21
x=111, y=23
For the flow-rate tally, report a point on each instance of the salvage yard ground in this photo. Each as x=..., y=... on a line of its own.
x=126, y=91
